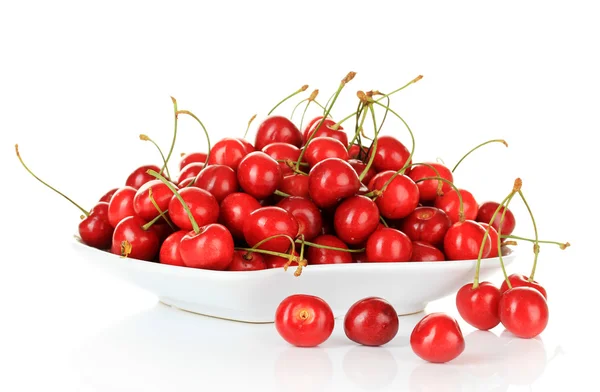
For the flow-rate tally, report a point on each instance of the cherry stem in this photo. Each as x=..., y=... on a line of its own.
x=166, y=161
x=536, y=246
x=203, y=128
x=412, y=137
x=291, y=163
x=293, y=244
x=146, y=138
x=358, y=113
x=310, y=99
x=302, y=246
x=296, y=108
x=155, y=204
x=374, y=145
x=248, y=126
x=267, y=252
x=280, y=193
x=153, y=221
x=43, y=182
x=476, y=147
x=561, y=245
x=301, y=89
x=195, y=226
x=383, y=221
x=312, y=244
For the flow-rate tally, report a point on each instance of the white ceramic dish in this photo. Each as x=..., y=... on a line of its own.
x=254, y=296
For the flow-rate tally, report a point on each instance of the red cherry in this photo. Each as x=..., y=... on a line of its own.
x=162, y=230
x=523, y=312
x=371, y=322
x=247, y=145
x=308, y=126
x=390, y=154
x=437, y=338
x=266, y=222
x=143, y=205
x=235, y=210
x=355, y=153
x=227, y=151
x=428, y=188
x=190, y=172
x=219, y=180
x=95, y=230
x=295, y=185
x=355, y=219
x=423, y=251
x=202, y=204
x=121, y=205
x=140, y=176
x=144, y=243
x=192, y=157
x=359, y=257
x=428, y=224
x=108, y=195
x=277, y=129
x=486, y=211
x=321, y=148
x=243, y=261
x=169, y=250
x=273, y=261
x=450, y=204
x=328, y=256
x=388, y=245
x=283, y=151
x=479, y=306
x=332, y=180
x=518, y=280
x=493, y=240
x=463, y=241
x=324, y=131
x=306, y=213
x=359, y=166
x=304, y=320
x=211, y=248
x=399, y=199
x=259, y=175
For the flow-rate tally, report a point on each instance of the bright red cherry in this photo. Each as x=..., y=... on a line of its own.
x=108, y=195
x=423, y=251
x=493, y=240
x=316, y=255
x=121, y=205
x=189, y=172
x=143, y=244
x=390, y=154
x=518, y=280
x=359, y=166
x=295, y=185
x=277, y=129
x=304, y=320
x=202, y=204
x=211, y=248
x=227, y=151
x=95, y=229
x=355, y=219
x=399, y=199
x=428, y=188
x=324, y=131
x=283, y=151
x=140, y=176
x=235, y=210
x=450, y=204
x=247, y=145
x=266, y=222
x=463, y=241
x=306, y=213
x=486, y=211
x=371, y=322
x=143, y=205
x=479, y=306
x=192, y=157
x=321, y=148
x=259, y=175
x=246, y=261
x=219, y=180
x=437, y=338
x=523, y=312
x=169, y=250
x=330, y=181
x=427, y=224
x=388, y=245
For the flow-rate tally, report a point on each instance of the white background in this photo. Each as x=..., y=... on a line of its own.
x=79, y=81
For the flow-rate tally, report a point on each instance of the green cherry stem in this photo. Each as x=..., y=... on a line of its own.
x=310, y=99
x=373, y=146
x=203, y=128
x=313, y=245
x=477, y=147
x=248, y=126
x=358, y=113
x=301, y=89
x=146, y=138
x=153, y=221
x=176, y=117
x=383, y=221
x=280, y=193
x=292, y=243
x=161, y=212
x=561, y=245
x=536, y=246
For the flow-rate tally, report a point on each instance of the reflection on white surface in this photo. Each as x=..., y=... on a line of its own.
x=370, y=368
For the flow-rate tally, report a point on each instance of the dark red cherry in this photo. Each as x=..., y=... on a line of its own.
x=169, y=250
x=140, y=176
x=108, y=195
x=359, y=166
x=283, y=151
x=121, y=205
x=227, y=151
x=219, y=180
x=247, y=261
x=202, y=204
x=427, y=224
x=332, y=180
x=463, y=241
x=306, y=213
x=423, y=251
x=95, y=230
x=399, y=199
x=235, y=210
x=295, y=185
x=390, y=154
x=144, y=244
x=450, y=203
x=355, y=152
x=142, y=204
x=266, y=222
x=277, y=129
x=189, y=172
x=211, y=248
x=388, y=245
x=259, y=175
x=192, y=157
x=321, y=148
x=428, y=188
x=327, y=256
x=355, y=219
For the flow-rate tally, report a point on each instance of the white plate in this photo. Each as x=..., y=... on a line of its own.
x=253, y=296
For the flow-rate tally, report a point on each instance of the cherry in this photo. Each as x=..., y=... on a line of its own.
x=121, y=205
x=428, y=224
x=219, y=180
x=247, y=261
x=390, y=155
x=320, y=255
x=423, y=251
x=332, y=180
x=306, y=213
x=355, y=219
x=450, y=204
x=518, y=280
x=478, y=306
x=108, y=195
x=311, y=123
x=140, y=176
x=247, y=145
x=371, y=321
x=359, y=257
x=304, y=320
x=186, y=183
x=163, y=230
x=320, y=148
x=437, y=338
x=277, y=129
x=95, y=230
x=227, y=151
x=388, y=245
x=235, y=210
x=359, y=166
x=324, y=130
x=202, y=204
x=493, y=240
x=190, y=172
x=266, y=222
x=133, y=238
x=463, y=241
x=523, y=312
x=283, y=151
x=192, y=157
x=295, y=185
x=355, y=152
x=487, y=209
x=211, y=247
x=259, y=175
x=169, y=250
x=142, y=203
x=400, y=197
x=428, y=189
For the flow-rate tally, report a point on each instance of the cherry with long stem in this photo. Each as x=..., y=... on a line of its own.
x=477, y=147
x=309, y=100
x=176, y=117
x=146, y=138
x=304, y=100
x=301, y=89
x=561, y=245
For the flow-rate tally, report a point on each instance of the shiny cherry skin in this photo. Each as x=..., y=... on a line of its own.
x=211, y=248
x=121, y=205
x=144, y=243
x=428, y=188
x=388, y=245
x=479, y=306
x=202, y=204
x=493, y=240
x=463, y=241
x=330, y=181
x=390, y=154
x=328, y=256
x=325, y=131
x=277, y=129
x=279, y=151
x=355, y=219
x=259, y=175
x=427, y=224
x=244, y=261
x=247, y=145
x=189, y=172
x=266, y=222
x=192, y=157
x=279, y=262
x=306, y=213
x=355, y=153
x=169, y=250
x=371, y=321
x=450, y=204
x=437, y=338
x=108, y=195
x=486, y=211
x=140, y=176
x=308, y=126
x=295, y=185
x=219, y=180
x=321, y=148
x=519, y=280
x=95, y=229
x=423, y=251
x=162, y=230
x=143, y=205
x=304, y=320
x=359, y=166
x=523, y=312
x=235, y=210
x=399, y=199
x=227, y=151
